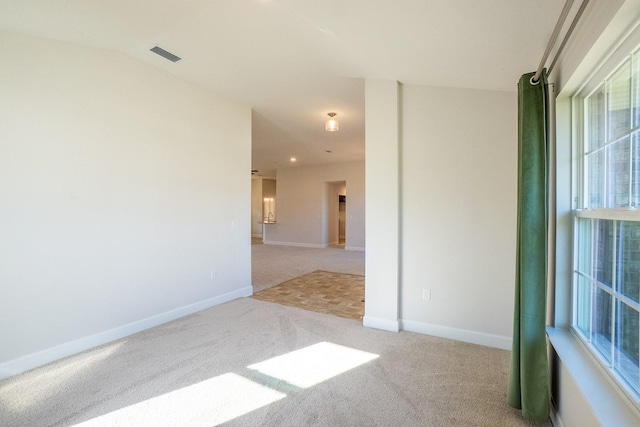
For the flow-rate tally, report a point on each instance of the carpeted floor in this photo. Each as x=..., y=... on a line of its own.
x=273, y=264
x=326, y=292
x=252, y=363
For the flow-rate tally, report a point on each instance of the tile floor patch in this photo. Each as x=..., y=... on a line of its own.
x=338, y=294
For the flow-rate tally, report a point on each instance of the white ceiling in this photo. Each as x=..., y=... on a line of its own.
x=293, y=61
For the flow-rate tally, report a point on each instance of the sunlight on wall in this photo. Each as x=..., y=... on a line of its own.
x=207, y=403
x=33, y=387
x=314, y=364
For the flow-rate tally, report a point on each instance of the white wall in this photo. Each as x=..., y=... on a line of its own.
x=302, y=202
x=383, y=210
x=124, y=199
x=256, y=207
x=458, y=212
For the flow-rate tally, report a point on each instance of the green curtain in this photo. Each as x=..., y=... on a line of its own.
x=529, y=376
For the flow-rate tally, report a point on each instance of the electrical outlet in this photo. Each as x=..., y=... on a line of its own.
x=426, y=294
x=214, y=275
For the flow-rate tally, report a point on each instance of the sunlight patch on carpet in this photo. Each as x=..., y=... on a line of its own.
x=211, y=402
x=312, y=365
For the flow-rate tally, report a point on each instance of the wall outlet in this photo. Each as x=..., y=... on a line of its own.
x=426, y=294
x=214, y=275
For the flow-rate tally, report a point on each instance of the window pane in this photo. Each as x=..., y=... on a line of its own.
x=635, y=170
x=583, y=305
x=596, y=115
x=606, y=292
x=596, y=179
x=584, y=244
x=601, y=333
x=635, y=97
x=619, y=102
x=619, y=159
x=603, y=256
x=626, y=349
x=628, y=266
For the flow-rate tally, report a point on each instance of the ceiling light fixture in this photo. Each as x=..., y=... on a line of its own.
x=332, y=124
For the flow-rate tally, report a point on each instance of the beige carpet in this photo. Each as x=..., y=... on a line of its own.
x=338, y=294
x=217, y=366
x=273, y=264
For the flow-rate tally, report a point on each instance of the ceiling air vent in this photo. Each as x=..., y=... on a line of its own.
x=168, y=55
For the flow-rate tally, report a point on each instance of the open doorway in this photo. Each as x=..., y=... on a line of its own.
x=342, y=219
x=336, y=214
x=327, y=276
x=263, y=206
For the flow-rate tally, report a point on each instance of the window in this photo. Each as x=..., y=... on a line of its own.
x=606, y=283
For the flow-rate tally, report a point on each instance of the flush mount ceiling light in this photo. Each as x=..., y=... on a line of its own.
x=332, y=123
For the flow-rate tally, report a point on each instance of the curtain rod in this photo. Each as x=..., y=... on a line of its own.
x=552, y=40
x=576, y=18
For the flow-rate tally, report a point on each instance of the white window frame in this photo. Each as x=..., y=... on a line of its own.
x=580, y=196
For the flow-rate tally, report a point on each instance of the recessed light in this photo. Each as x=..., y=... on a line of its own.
x=293, y=159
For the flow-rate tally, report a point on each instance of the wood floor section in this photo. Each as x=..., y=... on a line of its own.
x=338, y=294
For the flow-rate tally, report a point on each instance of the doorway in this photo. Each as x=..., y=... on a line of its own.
x=335, y=212
x=342, y=218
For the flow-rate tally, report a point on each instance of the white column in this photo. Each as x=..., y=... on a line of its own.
x=382, y=204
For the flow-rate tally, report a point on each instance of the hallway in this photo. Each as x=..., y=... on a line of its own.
x=327, y=280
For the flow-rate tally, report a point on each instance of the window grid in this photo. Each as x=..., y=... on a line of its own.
x=610, y=169
x=591, y=336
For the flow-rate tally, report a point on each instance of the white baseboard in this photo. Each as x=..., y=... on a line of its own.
x=473, y=337
x=33, y=360
x=300, y=245
x=379, y=323
x=354, y=248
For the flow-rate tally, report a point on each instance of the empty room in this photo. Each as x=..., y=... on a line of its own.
x=472, y=166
